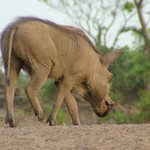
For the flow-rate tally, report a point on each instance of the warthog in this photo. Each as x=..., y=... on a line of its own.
x=62, y=53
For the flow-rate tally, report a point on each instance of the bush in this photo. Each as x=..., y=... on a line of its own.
x=117, y=116
x=143, y=106
x=129, y=86
x=131, y=73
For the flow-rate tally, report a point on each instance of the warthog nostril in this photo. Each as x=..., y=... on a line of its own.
x=110, y=103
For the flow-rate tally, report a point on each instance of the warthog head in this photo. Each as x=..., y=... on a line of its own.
x=97, y=94
x=96, y=88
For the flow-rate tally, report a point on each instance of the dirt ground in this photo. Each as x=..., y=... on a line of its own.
x=33, y=135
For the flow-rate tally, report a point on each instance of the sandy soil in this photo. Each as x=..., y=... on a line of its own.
x=33, y=135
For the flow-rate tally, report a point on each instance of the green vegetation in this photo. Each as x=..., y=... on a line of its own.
x=130, y=87
x=61, y=117
x=131, y=72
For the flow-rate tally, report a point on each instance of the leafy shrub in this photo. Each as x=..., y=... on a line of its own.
x=129, y=86
x=143, y=106
x=116, y=117
x=131, y=73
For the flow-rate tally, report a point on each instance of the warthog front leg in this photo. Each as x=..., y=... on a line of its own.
x=73, y=108
x=64, y=87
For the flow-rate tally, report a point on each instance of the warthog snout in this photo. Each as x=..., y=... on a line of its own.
x=103, y=109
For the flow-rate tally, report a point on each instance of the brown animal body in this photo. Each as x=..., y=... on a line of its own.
x=62, y=53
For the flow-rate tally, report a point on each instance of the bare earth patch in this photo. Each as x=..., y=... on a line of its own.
x=33, y=135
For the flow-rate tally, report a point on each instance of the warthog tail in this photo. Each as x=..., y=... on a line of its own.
x=12, y=33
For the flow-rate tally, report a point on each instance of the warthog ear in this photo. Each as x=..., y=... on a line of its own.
x=110, y=58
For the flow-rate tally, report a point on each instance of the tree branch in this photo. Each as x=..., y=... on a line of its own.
x=142, y=20
x=126, y=20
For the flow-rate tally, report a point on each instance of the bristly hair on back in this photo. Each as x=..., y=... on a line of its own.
x=78, y=31
x=61, y=27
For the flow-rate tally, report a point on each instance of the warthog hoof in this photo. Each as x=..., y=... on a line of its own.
x=50, y=121
x=39, y=115
x=11, y=121
x=35, y=113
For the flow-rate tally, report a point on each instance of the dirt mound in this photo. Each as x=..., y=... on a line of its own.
x=33, y=135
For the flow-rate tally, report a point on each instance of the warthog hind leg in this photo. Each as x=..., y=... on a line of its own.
x=36, y=82
x=10, y=90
